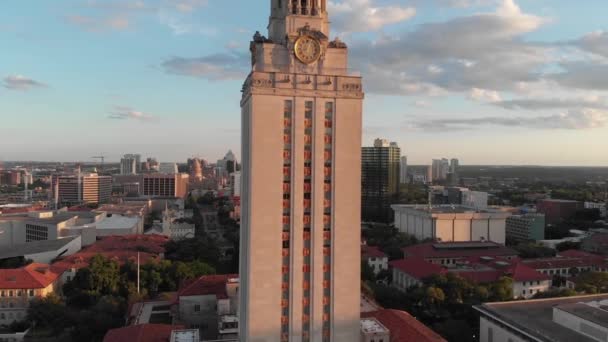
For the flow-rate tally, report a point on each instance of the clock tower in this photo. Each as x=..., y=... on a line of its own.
x=301, y=177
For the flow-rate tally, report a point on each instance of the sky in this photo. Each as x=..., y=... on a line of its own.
x=521, y=82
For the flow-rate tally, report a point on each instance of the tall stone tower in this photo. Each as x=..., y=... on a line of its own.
x=301, y=146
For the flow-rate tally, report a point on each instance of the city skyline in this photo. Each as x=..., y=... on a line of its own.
x=158, y=77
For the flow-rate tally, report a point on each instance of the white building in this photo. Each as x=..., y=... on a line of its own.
x=451, y=223
x=582, y=318
x=599, y=206
x=169, y=168
x=376, y=259
x=475, y=199
x=130, y=164
x=235, y=183
x=373, y=331
x=403, y=176
x=45, y=251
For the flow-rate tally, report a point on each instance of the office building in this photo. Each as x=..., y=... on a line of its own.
x=601, y=206
x=454, y=166
x=526, y=227
x=557, y=211
x=130, y=164
x=169, y=168
x=235, y=183
x=301, y=183
x=579, y=318
x=440, y=169
x=10, y=177
x=196, y=170
x=82, y=189
x=403, y=176
x=451, y=223
x=379, y=180
x=165, y=185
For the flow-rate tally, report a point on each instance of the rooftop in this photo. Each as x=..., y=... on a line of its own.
x=141, y=333
x=35, y=247
x=372, y=252
x=117, y=222
x=457, y=250
x=403, y=327
x=535, y=317
x=418, y=268
x=207, y=285
x=595, y=312
x=372, y=326
x=32, y=276
x=185, y=336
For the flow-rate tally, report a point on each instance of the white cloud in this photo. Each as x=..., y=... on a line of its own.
x=484, y=95
x=362, y=15
x=22, y=83
x=220, y=66
x=115, y=22
x=128, y=113
x=574, y=119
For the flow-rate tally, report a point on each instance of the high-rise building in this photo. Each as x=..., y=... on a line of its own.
x=196, y=170
x=454, y=165
x=300, y=235
x=169, y=168
x=379, y=180
x=82, y=189
x=130, y=164
x=165, y=185
x=441, y=168
x=235, y=183
x=404, y=178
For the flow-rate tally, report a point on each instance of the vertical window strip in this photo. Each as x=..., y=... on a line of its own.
x=286, y=239
x=308, y=167
x=327, y=219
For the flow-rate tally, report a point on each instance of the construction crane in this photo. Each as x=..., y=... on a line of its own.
x=102, y=158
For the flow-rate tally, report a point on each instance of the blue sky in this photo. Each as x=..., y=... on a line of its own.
x=487, y=81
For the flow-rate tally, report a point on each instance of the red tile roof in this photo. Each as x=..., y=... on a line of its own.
x=32, y=276
x=372, y=252
x=574, y=253
x=403, y=327
x=457, y=250
x=565, y=262
x=119, y=248
x=417, y=268
x=207, y=285
x=141, y=333
x=521, y=272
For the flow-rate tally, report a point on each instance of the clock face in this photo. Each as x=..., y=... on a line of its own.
x=308, y=49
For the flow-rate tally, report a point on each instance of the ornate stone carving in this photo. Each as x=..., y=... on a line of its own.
x=351, y=87
x=265, y=83
x=259, y=38
x=308, y=31
x=337, y=44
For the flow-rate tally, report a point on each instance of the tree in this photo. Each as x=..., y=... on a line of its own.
x=48, y=312
x=367, y=272
x=567, y=245
x=592, y=282
x=528, y=250
x=502, y=290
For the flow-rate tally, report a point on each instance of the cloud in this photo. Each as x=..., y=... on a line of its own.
x=180, y=26
x=22, y=83
x=484, y=95
x=220, y=66
x=552, y=103
x=594, y=42
x=484, y=51
x=115, y=22
x=128, y=113
x=361, y=15
x=187, y=5
x=574, y=119
x=583, y=75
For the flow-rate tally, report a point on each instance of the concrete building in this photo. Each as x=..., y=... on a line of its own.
x=211, y=302
x=404, y=178
x=599, y=206
x=82, y=189
x=376, y=259
x=451, y=223
x=556, y=211
x=401, y=327
x=165, y=185
x=19, y=286
x=448, y=253
x=440, y=169
x=596, y=243
x=527, y=282
x=301, y=145
x=168, y=168
x=10, y=177
x=235, y=183
x=581, y=319
x=130, y=164
x=379, y=180
x=475, y=199
x=373, y=331
x=44, y=251
x=526, y=227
